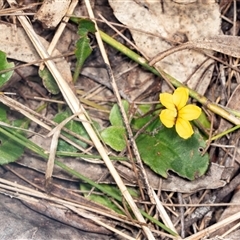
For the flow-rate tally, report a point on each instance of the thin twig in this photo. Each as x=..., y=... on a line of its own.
x=128, y=197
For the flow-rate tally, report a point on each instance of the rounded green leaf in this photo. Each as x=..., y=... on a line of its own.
x=115, y=137
x=163, y=150
x=115, y=116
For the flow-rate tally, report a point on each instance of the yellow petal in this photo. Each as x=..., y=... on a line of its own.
x=168, y=117
x=180, y=97
x=167, y=100
x=184, y=128
x=189, y=112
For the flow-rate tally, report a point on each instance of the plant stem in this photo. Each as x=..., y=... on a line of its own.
x=159, y=72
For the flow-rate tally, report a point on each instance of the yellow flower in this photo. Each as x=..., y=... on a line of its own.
x=177, y=112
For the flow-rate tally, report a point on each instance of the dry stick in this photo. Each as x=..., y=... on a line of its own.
x=128, y=197
x=180, y=200
x=75, y=106
x=36, y=62
x=125, y=38
x=130, y=134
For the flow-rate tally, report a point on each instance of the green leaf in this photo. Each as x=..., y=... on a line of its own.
x=4, y=64
x=115, y=116
x=3, y=113
x=83, y=47
x=74, y=126
x=115, y=137
x=85, y=26
x=48, y=81
x=163, y=150
x=83, y=51
x=10, y=151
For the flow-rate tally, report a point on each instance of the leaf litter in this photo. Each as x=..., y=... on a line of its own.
x=135, y=88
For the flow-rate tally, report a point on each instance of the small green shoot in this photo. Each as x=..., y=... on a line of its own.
x=83, y=47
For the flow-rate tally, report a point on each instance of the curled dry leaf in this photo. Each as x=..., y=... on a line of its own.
x=168, y=23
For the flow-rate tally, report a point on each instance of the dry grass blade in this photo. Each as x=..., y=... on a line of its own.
x=101, y=223
x=53, y=148
x=163, y=214
x=12, y=11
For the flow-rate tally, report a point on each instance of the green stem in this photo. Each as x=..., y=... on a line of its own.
x=143, y=62
x=225, y=133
